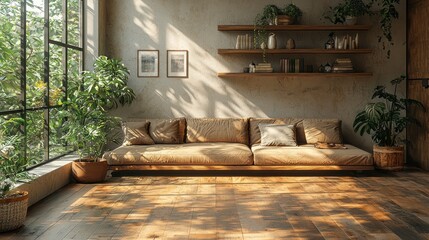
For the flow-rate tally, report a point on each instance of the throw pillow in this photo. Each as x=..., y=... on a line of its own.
x=322, y=130
x=136, y=133
x=277, y=135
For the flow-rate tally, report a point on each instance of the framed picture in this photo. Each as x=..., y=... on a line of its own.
x=177, y=63
x=148, y=63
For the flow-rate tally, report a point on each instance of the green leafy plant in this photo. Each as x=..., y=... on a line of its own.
x=387, y=14
x=353, y=8
x=88, y=123
x=384, y=121
x=292, y=11
x=12, y=161
x=262, y=20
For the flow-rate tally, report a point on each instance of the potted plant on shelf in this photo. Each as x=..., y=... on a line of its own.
x=344, y=12
x=262, y=20
x=289, y=15
x=88, y=124
x=385, y=121
x=13, y=204
x=347, y=12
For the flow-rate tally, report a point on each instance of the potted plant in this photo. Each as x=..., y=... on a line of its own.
x=262, y=20
x=13, y=204
x=344, y=12
x=385, y=121
x=87, y=122
x=347, y=12
x=289, y=15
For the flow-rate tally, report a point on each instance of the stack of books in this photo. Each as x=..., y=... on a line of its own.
x=263, y=68
x=292, y=65
x=343, y=65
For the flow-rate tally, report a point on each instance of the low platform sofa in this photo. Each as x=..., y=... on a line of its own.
x=235, y=144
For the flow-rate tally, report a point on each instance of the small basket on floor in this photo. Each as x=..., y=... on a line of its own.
x=13, y=211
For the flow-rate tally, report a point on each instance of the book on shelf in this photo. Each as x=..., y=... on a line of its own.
x=292, y=65
x=343, y=65
x=263, y=68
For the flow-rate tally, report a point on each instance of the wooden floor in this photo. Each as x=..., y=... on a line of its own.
x=345, y=206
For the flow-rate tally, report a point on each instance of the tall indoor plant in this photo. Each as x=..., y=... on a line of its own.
x=88, y=123
x=13, y=204
x=385, y=121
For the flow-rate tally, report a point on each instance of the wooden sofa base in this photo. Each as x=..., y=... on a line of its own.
x=240, y=168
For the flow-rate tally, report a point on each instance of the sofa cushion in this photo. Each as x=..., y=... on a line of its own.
x=277, y=135
x=309, y=155
x=164, y=131
x=136, y=133
x=255, y=133
x=322, y=130
x=181, y=154
x=232, y=130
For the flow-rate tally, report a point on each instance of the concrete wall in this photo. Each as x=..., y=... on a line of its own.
x=192, y=25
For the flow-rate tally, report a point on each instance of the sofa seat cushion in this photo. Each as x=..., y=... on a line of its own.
x=309, y=155
x=181, y=154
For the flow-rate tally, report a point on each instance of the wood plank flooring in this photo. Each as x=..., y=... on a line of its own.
x=337, y=206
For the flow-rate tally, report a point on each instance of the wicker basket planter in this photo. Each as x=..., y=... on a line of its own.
x=13, y=211
x=284, y=20
x=389, y=158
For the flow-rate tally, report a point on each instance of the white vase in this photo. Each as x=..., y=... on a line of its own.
x=272, y=41
x=351, y=20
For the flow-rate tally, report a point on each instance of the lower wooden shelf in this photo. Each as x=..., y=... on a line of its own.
x=327, y=75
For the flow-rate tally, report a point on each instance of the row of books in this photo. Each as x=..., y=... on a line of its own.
x=292, y=65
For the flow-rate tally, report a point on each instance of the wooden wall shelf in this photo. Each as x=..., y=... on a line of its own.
x=296, y=28
x=329, y=75
x=294, y=51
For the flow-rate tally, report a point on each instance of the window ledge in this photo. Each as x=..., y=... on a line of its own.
x=48, y=178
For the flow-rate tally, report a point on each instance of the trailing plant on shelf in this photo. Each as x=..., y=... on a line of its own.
x=292, y=11
x=262, y=20
x=88, y=123
x=385, y=120
x=387, y=12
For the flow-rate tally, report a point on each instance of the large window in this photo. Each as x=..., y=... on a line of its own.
x=40, y=56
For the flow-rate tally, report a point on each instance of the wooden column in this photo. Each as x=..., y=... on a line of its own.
x=418, y=67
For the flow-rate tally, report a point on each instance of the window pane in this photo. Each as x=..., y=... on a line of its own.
x=35, y=136
x=73, y=15
x=74, y=64
x=12, y=138
x=57, y=146
x=56, y=22
x=56, y=75
x=10, y=55
x=35, y=52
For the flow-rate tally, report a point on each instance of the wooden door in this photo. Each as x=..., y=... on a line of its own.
x=418, y=67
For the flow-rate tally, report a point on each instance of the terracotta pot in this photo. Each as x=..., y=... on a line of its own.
x=389, y=158
x=13, y=211
x=86, y=171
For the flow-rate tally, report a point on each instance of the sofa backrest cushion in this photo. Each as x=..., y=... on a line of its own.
x=136, y=133
x=165, y=131
x=322, y=130
x=255, y=133
x=234, y=130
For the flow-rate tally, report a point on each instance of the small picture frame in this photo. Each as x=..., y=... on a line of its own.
x=147, y=63
x=177, y=63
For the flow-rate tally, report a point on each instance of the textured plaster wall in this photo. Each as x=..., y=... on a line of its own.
x=192, y=25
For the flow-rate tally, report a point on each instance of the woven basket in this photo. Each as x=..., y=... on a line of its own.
x=13, y=212
x=389, y=158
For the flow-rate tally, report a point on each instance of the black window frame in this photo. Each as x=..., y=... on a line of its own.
x=23, y=109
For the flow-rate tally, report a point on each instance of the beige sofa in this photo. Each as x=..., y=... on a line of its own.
x=234, y=144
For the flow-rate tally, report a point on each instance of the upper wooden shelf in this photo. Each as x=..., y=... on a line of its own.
x=296, y=27
x=328, y=75
x=295, y=51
